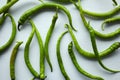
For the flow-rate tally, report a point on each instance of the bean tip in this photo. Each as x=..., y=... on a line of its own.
x=19, y=26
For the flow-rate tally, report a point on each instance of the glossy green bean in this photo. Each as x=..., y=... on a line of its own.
x=26, y=53
x=47, y=40
x=104, y=53
x=37, y=8
x=101, y=35
x=60, y=62
x=42, y=55
x=12, y=37
x=7, y=6
x=94, y=46
x=109, y=20
x=12, y=60
x=82, y=71
x=102, y=15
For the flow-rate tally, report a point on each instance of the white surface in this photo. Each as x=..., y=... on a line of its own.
x=43, y=21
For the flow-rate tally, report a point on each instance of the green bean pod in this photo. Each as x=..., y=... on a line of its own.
x=26, y=53
x=42, y=55
x=60, y=62
x=47, y=40
x=93, y=41
x=102, y=15
x=104, y=53
x=12, y=37
x=7, y=6
x=101, y=35
x=110, y=20
x=37, y=8
x=82, y=71
x=12, y=60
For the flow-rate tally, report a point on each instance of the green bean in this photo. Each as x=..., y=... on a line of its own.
x=104, y=53
x=12, y=37
x=42, y=55
x=37, y=8
x=12, y=60
x=109, y=20
x=60, y=62
x=7, y=6
x=115, y=2
x=82, y=71
x=102, y=15
x=26, y=52
x=48, y=36
x=101, y=35
x=93, y=41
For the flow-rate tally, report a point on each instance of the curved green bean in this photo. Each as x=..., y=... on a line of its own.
x=12, y=37
x=101, y=35
x=42, y=55
x=7, y=6
x=37, y=8
x=60, y=62
x=109, y=20
x=48, y=36
x=104, y=53
x=26, y=52
x=82, y=71
x=93, y=41
x=12, y=60
x=102, y=15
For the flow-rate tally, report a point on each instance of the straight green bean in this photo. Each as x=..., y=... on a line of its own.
x=12, y=60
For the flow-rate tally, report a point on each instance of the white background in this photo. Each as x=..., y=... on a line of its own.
x=43, y=21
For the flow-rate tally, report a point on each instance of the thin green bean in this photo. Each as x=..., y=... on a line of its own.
x=12, y=60
x=12, y=37
x=42, y=55
x=26, y=52
x=60, y=62
x=93, y=41
x=82, y=71
x=101, y=35
x=104, y=53
x=7, y=6
x=102, y=15
x=109, y=20
x=47, y=40
x=37, y=8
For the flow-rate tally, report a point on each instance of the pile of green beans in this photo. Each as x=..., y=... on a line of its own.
x=44, y=47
